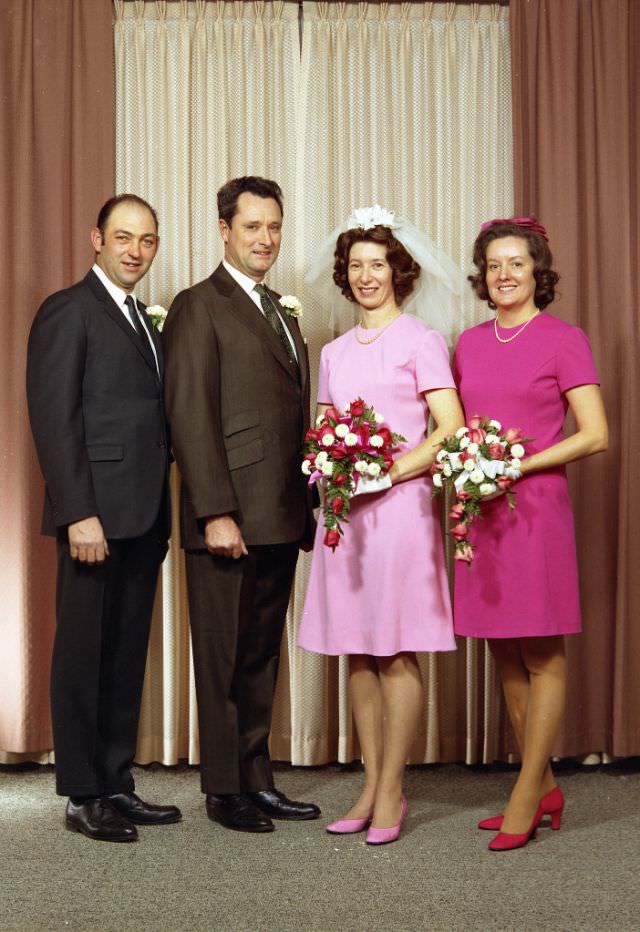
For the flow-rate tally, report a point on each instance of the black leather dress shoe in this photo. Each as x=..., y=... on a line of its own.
x=98, y=819
x=136, y=810
x=277, y=806
x=236, y=811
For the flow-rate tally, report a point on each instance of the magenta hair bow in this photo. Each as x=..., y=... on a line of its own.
x=530, y=223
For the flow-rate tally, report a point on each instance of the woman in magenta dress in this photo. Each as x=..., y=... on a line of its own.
x=526, y=369
x=383, y=594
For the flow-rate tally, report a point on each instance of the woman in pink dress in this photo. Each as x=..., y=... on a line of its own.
x=526, y=369
x=383, y=594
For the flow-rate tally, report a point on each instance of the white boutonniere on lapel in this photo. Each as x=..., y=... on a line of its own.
x=291, y=305
x=157, y=314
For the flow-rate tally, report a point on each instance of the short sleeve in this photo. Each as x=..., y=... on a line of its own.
x=432, y=363
x=574, y=361
x=323, y=379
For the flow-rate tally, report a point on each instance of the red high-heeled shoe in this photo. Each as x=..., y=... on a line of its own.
x=552, y=805
x=505, y=841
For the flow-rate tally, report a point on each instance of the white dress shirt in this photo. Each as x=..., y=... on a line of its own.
x=248, y=284
x=119, y=295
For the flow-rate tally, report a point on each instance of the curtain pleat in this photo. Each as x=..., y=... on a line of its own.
x=56, y=169
x=577, y=166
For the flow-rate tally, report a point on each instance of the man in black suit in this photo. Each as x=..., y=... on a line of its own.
x=237, y=395
x=94, y=386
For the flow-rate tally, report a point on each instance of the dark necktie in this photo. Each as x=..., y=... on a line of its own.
x=271, y=313
x=143, y=336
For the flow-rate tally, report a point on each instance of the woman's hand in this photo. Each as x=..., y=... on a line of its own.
x=445, y=409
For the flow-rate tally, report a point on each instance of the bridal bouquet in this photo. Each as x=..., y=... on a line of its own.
x=346, y=449
x=478, y=462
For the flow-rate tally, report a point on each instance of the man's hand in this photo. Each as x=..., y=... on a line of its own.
x=87, y=542
x=224, y=538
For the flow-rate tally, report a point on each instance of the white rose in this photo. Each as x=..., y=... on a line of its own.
x=517, y=450
x=341, y=430
x=488, y=488
x=515, y=463
x=379, y=418
x=441, y=455
x=464, y=443
x=470, y=465
x=496, y=425
x=306, y=467
x=321, y=459
x=327, y=468
x=376, y=441
x=512, y=473
x=437, y=480
x=473, y=448
x=361, y=467
x=319, y=420
x=447, y=470
x=373, y=469
x=477, y=476
x=292, y=305
x=491, y=438
x=462, y=431
x=328, y=440
x=350, y=439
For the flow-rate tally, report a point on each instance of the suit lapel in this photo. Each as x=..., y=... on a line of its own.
x=243, y=308
x=116, y=315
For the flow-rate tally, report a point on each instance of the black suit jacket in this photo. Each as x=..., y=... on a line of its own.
x=238, y=411
x=97, y=414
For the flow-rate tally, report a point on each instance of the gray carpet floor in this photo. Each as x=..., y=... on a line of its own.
x=196, y=875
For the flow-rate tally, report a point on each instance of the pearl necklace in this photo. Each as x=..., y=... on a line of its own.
x=517, y=333
x=379, y=333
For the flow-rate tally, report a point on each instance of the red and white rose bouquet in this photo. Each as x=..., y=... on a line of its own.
x=477, y=463
x=346, y=448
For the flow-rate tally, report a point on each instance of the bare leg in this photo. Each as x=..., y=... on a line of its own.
x=516, y=686
x=366, y=699
x=544, y=660
x=402, y=704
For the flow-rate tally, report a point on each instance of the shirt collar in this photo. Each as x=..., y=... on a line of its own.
x=118, y=294
x=247, y=284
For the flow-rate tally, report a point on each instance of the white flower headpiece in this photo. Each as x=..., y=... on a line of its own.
x=363, y=218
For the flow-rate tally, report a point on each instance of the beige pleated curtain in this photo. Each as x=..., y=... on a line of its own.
x=408, y=105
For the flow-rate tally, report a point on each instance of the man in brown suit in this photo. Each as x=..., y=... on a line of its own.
x=237, y=397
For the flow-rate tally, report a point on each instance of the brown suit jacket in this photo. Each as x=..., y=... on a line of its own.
x=238, y=412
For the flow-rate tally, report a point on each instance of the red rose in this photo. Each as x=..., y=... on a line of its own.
x=513, y=435
x=460, y=531
x=456, y=512
x=340, y=479
x=463, y=496
x=338, y=452
x=476, y=435
x=337, y=505
x=357, y=408
x=437, y=467
x=464, y=456
x=497, y=451
x=331, y=414
x=385, y=433
x=475, y=422
x=504, y=483
x=331, y=539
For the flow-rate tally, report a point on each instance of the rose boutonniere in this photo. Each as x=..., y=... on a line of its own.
x=292, y=305
x=158, y=315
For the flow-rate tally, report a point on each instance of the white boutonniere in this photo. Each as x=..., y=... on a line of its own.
x=158, y=315
x=292, y=305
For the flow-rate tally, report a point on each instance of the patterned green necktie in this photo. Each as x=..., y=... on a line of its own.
x=271, y=313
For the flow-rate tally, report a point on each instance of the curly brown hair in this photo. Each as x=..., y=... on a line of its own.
x=546, y=278
x=405, y=269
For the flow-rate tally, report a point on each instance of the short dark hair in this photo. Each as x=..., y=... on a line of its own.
x=546, y=278
x=405, y=269
x=109, y=206
x=230, y=192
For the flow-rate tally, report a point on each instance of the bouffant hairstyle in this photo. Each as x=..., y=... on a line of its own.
x=546, y=278
x=405, y=269
x=230, y=192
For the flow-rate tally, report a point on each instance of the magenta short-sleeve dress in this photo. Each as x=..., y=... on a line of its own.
x=524, y=579
x=384, y=590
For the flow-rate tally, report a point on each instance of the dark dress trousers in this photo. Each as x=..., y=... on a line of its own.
x=238, y=410
x=97, y=415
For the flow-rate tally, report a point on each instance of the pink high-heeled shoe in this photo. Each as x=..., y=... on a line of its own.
x=348, y=826
x=382, y=836
x=505, y=841
x=552, y=805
